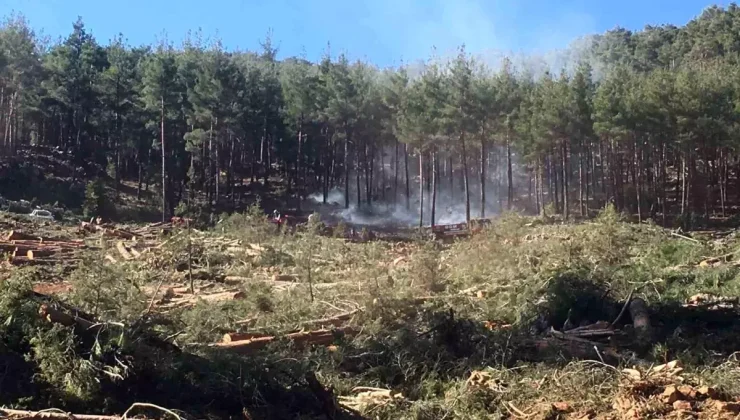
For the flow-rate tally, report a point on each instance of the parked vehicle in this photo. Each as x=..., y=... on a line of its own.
x=42, y=215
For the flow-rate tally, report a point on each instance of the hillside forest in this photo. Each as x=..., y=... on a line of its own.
x=646, y=120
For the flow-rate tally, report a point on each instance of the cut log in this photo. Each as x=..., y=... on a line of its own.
x=236, y=279
x=20, y=252
x=17, y=235
x=301, y=338
x=111, y=259
x=39, y=253
x=58, y=317
x=37, y=243
x=41, y=261
x=285, y=277
x=257, y=248
x=123, y=251
x=230, y=337
x=217, y=297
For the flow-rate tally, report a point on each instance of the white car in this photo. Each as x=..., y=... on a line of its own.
x=42, y=214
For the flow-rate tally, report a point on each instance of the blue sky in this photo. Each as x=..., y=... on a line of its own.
x=381, y=31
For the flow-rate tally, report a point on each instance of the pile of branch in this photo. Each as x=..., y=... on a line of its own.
x=29, y=249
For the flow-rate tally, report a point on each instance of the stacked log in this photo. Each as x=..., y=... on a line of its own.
x=25, y=249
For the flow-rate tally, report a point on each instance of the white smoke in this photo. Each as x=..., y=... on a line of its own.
x=449, y=203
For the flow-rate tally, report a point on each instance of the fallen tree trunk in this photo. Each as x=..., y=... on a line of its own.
x=34, y=254
x=39, y=243
x=301, y=338
x=231, y=337
x=24, y=260
x=16, y=235
x=58, y=317
x=557, y=348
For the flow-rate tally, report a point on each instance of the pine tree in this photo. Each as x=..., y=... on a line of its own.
x=161, y=95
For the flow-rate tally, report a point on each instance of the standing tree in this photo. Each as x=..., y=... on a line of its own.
x=161, y=95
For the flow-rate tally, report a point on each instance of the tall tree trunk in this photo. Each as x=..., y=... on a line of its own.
x=140, y=174
x=408, y=182
x=483, y=154
x=327, y=167
x=421, y=188
x=217, y=178
x=395, y=174
x=566, y=209
x=230, y=171
x=465, y=177
x=539, y=187
x=382, y=174
x=368, y=175
x=452, y=179
x=298, y=180
x=357, y=175
x=684, y=195
x=722, y=179
x=434, y=186
x=164, y=164
x=554, y=174
x=346, y=170
x=638, y=185
x=509, y=171
x=582, y=183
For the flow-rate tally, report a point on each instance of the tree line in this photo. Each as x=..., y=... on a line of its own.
x=646, y=120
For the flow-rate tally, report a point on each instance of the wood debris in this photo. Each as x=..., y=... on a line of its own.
x=368, y=398
x=662, y=387
x=484, y=380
